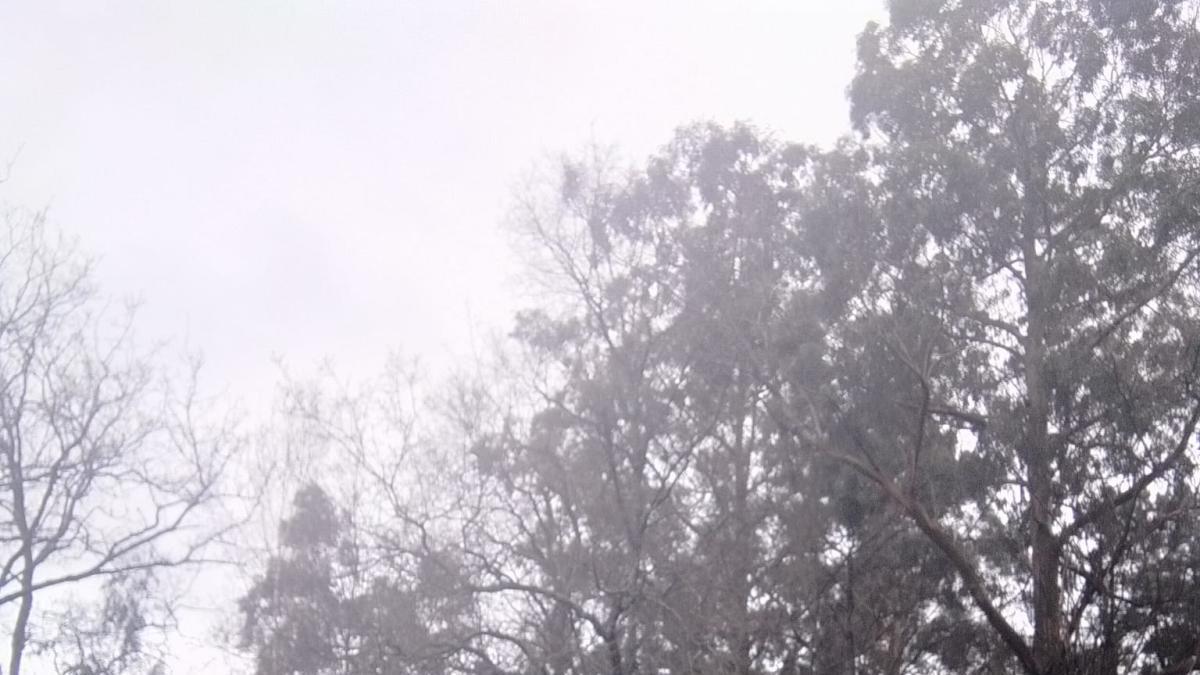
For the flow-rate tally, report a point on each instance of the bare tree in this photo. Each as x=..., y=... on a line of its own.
x=105, y=466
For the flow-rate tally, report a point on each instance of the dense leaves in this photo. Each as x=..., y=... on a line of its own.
x=924, y=402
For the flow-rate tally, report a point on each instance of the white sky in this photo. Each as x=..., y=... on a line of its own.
x=327, y=179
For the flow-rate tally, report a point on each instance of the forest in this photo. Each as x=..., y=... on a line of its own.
x=921, y=402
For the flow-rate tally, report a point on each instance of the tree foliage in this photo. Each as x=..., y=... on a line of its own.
x=923, y=402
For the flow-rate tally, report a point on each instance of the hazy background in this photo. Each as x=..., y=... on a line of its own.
x=306, y=180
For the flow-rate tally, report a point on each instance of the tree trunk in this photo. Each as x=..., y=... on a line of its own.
x=1048, y=647
x=20, y=632
x=21, y=627
x=743, y=536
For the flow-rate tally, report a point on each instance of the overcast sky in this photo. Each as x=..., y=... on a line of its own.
x=328, y=179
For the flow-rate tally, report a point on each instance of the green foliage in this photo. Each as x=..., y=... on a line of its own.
x=114, y=636
x=316, y=610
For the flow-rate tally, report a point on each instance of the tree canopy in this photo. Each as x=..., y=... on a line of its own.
x=923, y=402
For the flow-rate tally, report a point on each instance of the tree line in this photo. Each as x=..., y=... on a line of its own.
x=923, y=402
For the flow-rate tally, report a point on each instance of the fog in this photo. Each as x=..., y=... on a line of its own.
x=278, y=185
x=312, y=180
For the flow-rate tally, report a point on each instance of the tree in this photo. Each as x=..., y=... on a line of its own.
x=630, y=500
x=105, y=471
x=961, y=349
x=292, y=613
x=1031, y=311
x=109, y=637
x=357, y=583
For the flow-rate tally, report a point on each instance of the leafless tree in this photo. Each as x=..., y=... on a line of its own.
x=106, y=465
